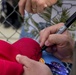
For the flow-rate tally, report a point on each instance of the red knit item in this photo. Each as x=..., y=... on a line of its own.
x=8, y=52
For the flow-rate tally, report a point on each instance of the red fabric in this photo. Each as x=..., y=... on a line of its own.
x=8, y=52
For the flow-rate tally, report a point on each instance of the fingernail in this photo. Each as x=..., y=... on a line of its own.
x=17, y=57
x=47, y=43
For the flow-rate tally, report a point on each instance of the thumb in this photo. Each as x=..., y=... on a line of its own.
x=24, y=60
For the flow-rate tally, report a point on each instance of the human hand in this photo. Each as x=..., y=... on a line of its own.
x=32, y=67
x=64, y=44
x=39, y=5
x=34, y=6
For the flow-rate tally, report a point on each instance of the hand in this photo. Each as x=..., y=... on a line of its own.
x=32, y=67
x=34, y=6
x=64, y=44
x=22, y=4
x=39, y=5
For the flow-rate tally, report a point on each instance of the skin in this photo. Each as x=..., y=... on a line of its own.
x=32, y=67
x=34, y=6
x=64, y=44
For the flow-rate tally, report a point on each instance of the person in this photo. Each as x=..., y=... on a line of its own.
x=34, y=6
x=63, y=50
x=35, y=17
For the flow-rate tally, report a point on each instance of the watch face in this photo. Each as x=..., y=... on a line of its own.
x=53, y=63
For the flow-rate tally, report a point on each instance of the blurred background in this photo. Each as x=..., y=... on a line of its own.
x=12, y=24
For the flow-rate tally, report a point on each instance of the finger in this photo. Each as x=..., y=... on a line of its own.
x=62, y=42
x=41, y=7
x=43, y=36
x=53, y=29
x=51, y=2
x=23, y=60
x=54, y=42
x=27, y=71
x=22, y=4
x=56, y=39
x=34, y=10
x=34, y=5
x=28, y=6
x=47, y=31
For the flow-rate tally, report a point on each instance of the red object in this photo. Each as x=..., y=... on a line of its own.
x=8, y=52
